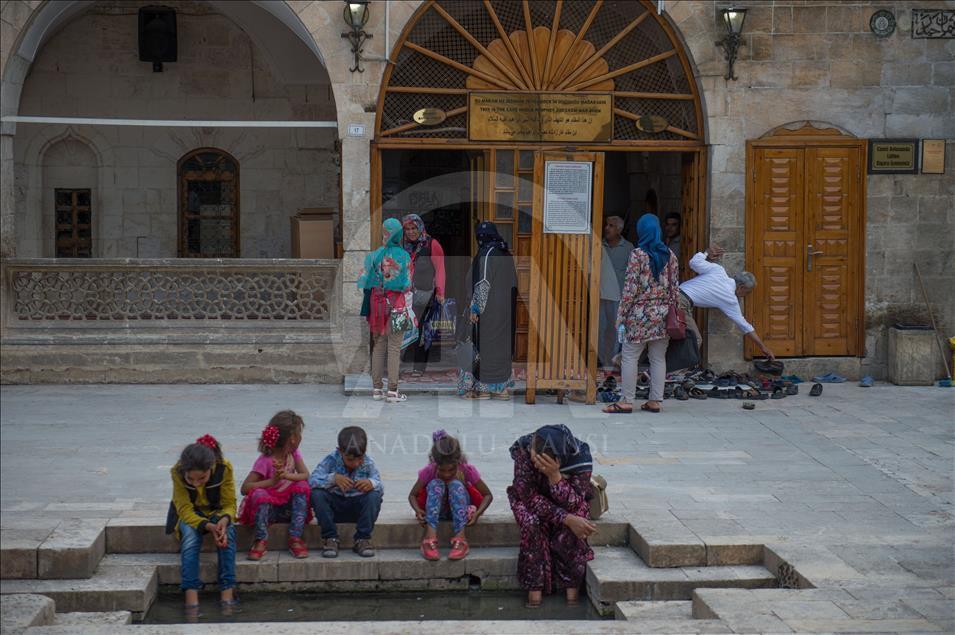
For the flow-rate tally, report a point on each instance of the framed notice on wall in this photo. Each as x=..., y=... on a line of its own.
x=567, y=196
x=933, y=156
x=893, y=156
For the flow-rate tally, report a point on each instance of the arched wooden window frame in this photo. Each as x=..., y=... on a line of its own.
x=504, y=70
x=182, y=214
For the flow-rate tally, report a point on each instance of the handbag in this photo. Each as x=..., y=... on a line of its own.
x=400, y=320
x=675, y=322
x=682, y=353
x=599, y=505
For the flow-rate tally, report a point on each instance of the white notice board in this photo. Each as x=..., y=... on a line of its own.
x=567, y=196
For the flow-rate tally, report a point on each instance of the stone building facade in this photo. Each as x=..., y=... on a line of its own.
x=812, y=62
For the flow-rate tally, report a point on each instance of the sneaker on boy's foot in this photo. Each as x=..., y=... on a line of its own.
x=330, y=548
x=298, y=547
x=363, y=548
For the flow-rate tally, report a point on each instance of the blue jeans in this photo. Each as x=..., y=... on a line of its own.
x=361, y=509
x=189, y=548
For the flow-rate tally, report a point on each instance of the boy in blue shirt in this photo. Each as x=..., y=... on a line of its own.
x=346, y=487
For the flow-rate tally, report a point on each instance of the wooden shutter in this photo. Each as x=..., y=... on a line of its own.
x=830, y=311
x=777, y=248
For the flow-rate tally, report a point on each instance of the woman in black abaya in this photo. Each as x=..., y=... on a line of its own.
x=492, y=313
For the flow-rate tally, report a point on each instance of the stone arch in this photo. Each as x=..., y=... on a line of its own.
x=53, y=14
x=69, y=163
x=806, y=127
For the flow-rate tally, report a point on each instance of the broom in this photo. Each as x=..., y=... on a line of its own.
x=948, y=371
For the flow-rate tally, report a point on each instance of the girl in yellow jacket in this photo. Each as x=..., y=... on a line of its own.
x=203, y=501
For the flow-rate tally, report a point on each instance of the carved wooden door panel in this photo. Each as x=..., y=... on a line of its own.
x=776, y=237
x=832, y=274
x=805, y=246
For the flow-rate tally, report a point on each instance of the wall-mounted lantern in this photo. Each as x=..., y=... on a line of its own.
x=356, y=17
x=733, y=21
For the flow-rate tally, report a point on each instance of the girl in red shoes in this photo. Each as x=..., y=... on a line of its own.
x=276, y=489
x=448, y=488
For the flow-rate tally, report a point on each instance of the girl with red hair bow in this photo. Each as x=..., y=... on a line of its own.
x=276, y=489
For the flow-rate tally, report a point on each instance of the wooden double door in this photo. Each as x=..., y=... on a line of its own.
x=805, y=242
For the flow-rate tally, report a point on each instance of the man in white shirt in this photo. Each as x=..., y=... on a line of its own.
x=613, y=272
x=713, y=289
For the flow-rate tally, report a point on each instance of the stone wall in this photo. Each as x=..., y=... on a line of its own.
x=800, y=61
x=91, y=69
x=819, y=61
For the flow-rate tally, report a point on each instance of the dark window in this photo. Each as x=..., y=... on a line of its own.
x=208, y=205
x=74, y=223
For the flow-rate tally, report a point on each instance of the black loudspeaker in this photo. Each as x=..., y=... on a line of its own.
x=157, y=36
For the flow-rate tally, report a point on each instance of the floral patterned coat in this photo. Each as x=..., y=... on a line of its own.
x=645, y=300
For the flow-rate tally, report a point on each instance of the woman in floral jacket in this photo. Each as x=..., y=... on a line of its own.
x=649, y=290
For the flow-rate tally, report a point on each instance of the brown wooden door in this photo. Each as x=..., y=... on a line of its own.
x=564, y=291
x=805, y=246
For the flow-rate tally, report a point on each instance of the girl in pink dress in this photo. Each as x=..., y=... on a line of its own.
x=448, y=488
x=276, y=489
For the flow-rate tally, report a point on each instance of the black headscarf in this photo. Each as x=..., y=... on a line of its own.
x=572, y=453
x=488, y=236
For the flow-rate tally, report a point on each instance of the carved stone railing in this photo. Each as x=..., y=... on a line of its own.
x=170, y=295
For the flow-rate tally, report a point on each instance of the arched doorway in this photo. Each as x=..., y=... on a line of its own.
x=519, y=88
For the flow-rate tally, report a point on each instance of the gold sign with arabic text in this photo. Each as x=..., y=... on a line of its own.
x=540, y=117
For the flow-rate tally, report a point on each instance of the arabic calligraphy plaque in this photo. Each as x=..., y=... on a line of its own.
x=540, y=117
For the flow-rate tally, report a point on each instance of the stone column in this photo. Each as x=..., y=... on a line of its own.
x=8, y=237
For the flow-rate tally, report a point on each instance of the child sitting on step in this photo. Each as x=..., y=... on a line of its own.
x=346, y=488
x=276, y=489
x=203, y=501
x=448, y=488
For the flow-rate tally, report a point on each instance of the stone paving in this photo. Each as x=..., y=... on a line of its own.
x=854, y=488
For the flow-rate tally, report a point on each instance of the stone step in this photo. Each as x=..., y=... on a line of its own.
x=665, y=617
x=71, y=550
x=388, y=570
x=618, y=574
x=20, y=612
x=147, y=535
x=830, y=610
x=497, y=627
x=81, y=621
x=111, y=588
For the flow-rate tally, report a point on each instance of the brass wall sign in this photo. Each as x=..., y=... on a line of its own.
x=540, y=117
x=933, y=156
x=652, y=124
x=430, y=116
x=893, y=156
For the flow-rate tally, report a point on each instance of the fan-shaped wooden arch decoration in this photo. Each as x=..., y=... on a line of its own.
x=626, y=49
x=551, y=74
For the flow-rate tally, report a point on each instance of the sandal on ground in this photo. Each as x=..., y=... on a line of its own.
x=396, y=397
x=646, y=408
x=476, y=396
x=816, y=390
x=697, y=393
x=867, y=382
x=377, y=394
x=504, y=395
x=429, y=549
x=778, y=393
x=298, y=547
x=459, y=549
x=228, y=604
x=617, y=409
x=258, y=550
x=748, y=405
x=330, y=548
x=415, y=374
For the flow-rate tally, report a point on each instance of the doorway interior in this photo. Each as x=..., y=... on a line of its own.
x=453, y=189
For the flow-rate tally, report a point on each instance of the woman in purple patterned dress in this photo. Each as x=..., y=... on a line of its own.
x=550, y=500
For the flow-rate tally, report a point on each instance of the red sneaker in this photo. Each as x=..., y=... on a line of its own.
x=429, y=549
x=298, y=547
x=257, y=550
